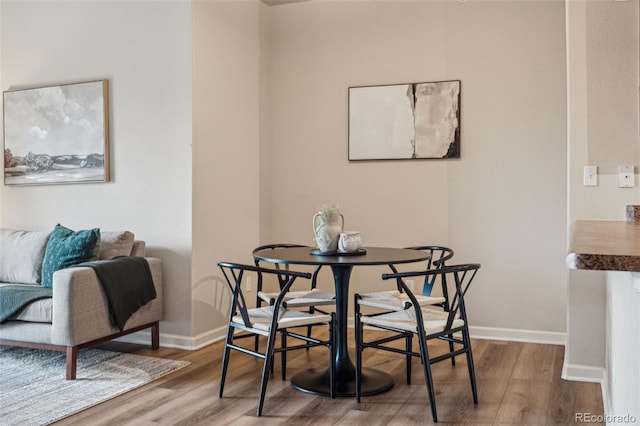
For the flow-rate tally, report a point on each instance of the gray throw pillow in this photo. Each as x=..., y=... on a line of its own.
x=21, y=255
x=115, y=243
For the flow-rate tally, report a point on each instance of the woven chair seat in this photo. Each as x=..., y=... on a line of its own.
x=395, y=300
x=260, y=318
x=304, y=298
x=434, y=320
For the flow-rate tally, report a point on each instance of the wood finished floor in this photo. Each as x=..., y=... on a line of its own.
x=518, y=384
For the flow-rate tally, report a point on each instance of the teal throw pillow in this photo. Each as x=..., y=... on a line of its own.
x=67, y=248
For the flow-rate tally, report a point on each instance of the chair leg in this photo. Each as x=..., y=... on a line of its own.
x=225, y=359
x=451, y=349
x=257, y=338
x=408, y=348
x=358, y=336
x=283, y=354
x=268, y=361
x=309, y=327
x=472, y=372
x=272, y=368
x=426, y=366
x=332, y=354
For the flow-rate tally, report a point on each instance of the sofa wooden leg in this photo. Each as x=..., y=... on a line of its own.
x=155, y=335
x=72, y=358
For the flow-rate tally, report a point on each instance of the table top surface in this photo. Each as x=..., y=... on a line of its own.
x=373, y=256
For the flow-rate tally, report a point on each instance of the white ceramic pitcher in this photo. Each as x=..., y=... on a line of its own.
x=327, y=229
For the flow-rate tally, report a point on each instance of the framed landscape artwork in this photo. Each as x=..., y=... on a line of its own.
x=57, y=134
x=405, y=121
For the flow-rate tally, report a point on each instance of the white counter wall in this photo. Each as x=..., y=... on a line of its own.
x=622, y=390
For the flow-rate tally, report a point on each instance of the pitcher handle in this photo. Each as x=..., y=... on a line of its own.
x=315, y=226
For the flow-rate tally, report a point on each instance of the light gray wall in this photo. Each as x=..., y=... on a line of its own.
x=226, y=154
x=502, y=204
x=144, y=50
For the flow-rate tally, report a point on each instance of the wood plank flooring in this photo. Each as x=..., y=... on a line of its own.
x=518, y=384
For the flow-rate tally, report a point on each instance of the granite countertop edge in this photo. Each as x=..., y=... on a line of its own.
x=605, y=246
x=603, y=262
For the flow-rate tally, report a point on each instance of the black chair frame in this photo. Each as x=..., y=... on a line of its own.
x=282, y=280
x=234, y=273
x=463, y=276
x=439, y=257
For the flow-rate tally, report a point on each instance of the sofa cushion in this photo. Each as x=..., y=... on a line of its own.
x=40, y=310
x=37, y=311
x=21, y=255
x=139, y=249
x=115, y=243
x=67, y=248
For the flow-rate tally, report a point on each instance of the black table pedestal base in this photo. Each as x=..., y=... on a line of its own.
x=316, y=382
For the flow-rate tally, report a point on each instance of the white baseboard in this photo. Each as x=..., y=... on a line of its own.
x=583, y=373
x=489, y=333
x=513, y=335
x=209, y=337
x=518, y=335
x=177, y=341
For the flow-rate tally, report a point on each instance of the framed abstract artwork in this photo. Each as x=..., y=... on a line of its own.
x=405, y=121
x=57, y=134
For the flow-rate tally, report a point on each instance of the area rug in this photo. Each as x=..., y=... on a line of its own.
x=33, y=389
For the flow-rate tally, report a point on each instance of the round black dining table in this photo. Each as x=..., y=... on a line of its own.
x=316, y=381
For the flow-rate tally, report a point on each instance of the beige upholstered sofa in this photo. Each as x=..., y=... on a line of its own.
x=78, y=314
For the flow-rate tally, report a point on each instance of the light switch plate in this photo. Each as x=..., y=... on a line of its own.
x=590, y=175
x=626, y=177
